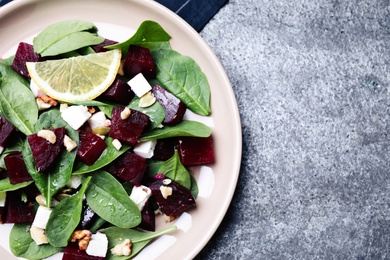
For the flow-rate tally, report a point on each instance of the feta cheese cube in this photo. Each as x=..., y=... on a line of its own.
x=191, y=116
x=139, y=85
x=75, y=116
x=140, y=195
x=98, y=245
x=145, y=149
x=75, y=181
x=42, y=217
x=97, y=120
x=37, y=92
x=3, y=195
x=117, y=144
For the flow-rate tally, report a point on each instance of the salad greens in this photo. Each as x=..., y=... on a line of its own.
x=105, y=194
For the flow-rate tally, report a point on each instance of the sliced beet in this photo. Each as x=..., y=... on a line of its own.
x=72, y=252
x=148, y=221
x=174, y=108
x=6, y=130
x=139, y=60
x=119, y=92
x=17, y=210
x=43, y=151
x=24, y=53
x=129, y=167
x=130, y=129
x=165, y=148
x=196, y=150
x=175, y=204
x=100, y=47
x=16, y=168
x=90, y=148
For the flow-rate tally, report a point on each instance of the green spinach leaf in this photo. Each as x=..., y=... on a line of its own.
x=138, y=238
x=108, y=155
x=14, y=146
x=66, y=36
x=174, y=169
x=155, y=112
x=5, y=185
x=149, y=35
x=17, y=104
x=181, y=76
x=65, y=217
x=22, y=245
x=107, y=197
x=185, y=128
x=7, y=61
x=6, y=70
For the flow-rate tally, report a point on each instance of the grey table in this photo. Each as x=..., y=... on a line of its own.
x=312, y=85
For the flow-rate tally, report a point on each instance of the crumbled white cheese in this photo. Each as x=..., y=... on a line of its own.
x=98, y=245
x=125, y=113
x=97, y=120
x=76, y=116
x=69, y=143
x=145, y=149
x=75, y=181
x=42, y=217
x=139, y=85
x=117, y=144
x=37, y=92
x=3, y=195
x=140, y=195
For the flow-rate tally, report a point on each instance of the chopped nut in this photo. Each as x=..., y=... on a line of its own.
x=169, y=218
x=42, y=105
x=147, y=100
x=49, y=100
x=122, y=249
x=117, y=144
x=83, y=236
x=38, y=235
x=48, y=135
x=165, y=191
x=125, y=113
x=69, y=143
x=91, y=110
x=120, y=70
x=167, y=181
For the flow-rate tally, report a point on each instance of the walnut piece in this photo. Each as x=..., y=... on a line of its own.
x=83, y=236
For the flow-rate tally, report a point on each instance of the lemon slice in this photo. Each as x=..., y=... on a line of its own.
x=78, y=78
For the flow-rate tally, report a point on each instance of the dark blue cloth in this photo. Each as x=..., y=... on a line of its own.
x=196, y=12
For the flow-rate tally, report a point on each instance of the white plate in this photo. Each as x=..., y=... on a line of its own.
x=118, y=19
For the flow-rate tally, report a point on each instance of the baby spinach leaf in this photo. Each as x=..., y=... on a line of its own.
x=185, y=128
x=107, y=197
x=14, y=146
x=17, y=104
x=139, y=239
x=5, y=185
x=7, y=61
x=108, y=155
x=155, y=112
x=98, y=222
x=66, y=36
x=194, y=187
x=6, y=70
x=181, y=76
x=59, y=174
x=152, y=168
x=22, y=245
x=65, y=217
x=149, y=35
x=106, y=108
x=174, y=169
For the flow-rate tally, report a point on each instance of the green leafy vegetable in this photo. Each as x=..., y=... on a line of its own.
x=108, y=155
x=15, y=146
x=138, y=239
x=5, y=185
x=17, y=104
x=181, y=76
x=149, y=35
x=22, y=245
x=174, y=169
x=185, y=128
x=65, y=217
x=107, y=197
x=6, y=70
x=66, y=36
x=155, y=112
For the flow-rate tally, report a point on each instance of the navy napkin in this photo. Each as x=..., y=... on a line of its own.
x=196, y=12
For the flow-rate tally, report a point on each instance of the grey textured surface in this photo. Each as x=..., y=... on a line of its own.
x=312, y=85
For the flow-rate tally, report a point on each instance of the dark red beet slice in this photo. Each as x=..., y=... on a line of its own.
x=24, y=53
x=100, y=47
x=175, y=204
x=90, y=148
x=43, y=151
x=72, y=252
x=165, y=148
x=196, y=150
x=16, y=210
x=148, y=217
x=130, y=129
x=119, y=92
x=139, y=60
x=6, y=130
x=174, y=108
x=129, y=167
x=16, y=168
